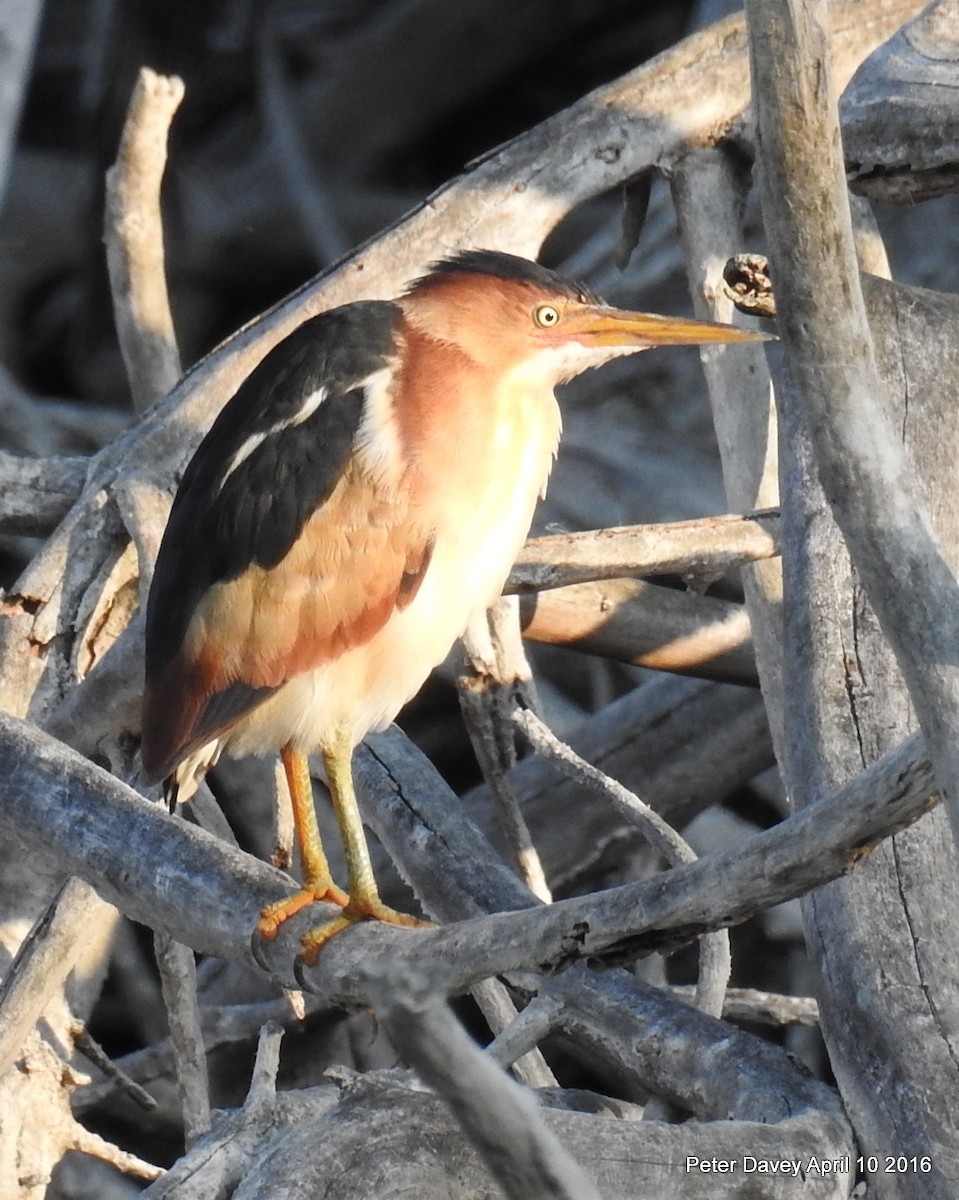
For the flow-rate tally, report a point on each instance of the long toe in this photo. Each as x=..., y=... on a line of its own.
x=274, y=915
x=358, y=909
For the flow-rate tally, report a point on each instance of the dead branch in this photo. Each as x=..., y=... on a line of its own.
x=709, y=191
x=714, y=955
x=899, y=113
x=209, y=896
x=649, y=626
x=178, y=982
x=46, y=957
x=704, y=549
x=867, y=478
x=495, y=676
x=134, y=240
x=36, y=493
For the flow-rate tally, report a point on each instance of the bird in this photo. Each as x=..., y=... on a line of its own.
x=364, y=492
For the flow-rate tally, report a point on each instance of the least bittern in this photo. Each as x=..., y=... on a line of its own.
x=365, y=491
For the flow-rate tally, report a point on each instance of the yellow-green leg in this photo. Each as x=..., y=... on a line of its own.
x=317, y=881
x=364, y=901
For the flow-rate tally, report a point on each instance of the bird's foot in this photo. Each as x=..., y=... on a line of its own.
x=275, y=915
x=359, y=909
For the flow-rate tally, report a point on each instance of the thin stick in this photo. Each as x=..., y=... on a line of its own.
x=537, y=1020
x=497, y=672
x=178, y=982
x=528, y=1064
x=262, y=1090
x=714, y=954
x=130, y=1164
x=91, y=1049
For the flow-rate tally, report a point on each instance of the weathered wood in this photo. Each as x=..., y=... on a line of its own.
x=900, y=112
x=681, y=744
x=898, y=918
x=209, y=896
x=704, y=550
x=884, y=942
x=641, y=623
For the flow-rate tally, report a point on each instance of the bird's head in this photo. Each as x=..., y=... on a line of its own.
x=504, y=311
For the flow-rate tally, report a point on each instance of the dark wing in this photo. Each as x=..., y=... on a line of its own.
x=281, y=549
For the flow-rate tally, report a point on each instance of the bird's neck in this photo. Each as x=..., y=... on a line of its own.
x=460, y=417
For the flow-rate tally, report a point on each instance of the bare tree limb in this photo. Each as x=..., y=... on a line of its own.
x=209, y=896
x=46, y=957
x=705, y=549
x=641, y=623
x=35, y=494
x=866, y=475
x=134, y=238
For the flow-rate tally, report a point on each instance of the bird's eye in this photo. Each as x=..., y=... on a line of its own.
x=546, y=316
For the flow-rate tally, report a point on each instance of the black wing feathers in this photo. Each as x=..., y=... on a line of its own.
x=224, y=519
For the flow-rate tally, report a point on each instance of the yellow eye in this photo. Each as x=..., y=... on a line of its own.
x=546, y=316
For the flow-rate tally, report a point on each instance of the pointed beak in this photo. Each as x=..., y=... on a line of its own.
x=598, y=325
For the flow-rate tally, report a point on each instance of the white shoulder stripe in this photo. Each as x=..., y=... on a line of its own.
x=309, y=406
x=377, y=439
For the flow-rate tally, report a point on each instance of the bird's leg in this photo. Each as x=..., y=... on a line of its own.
x=317, y=881
x=364, y=899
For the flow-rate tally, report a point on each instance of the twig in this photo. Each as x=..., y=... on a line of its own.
x=221, y=1027
x=134, y=238
x=500, y=1118
x=97, y=1147
x=262, y=1090
x=92, y=1050
x=178, y=982
x=497, y=674
x=683, y=743
x=528, y=1064
x=763, y=1008
x=537, y=1020
x=714, y=961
